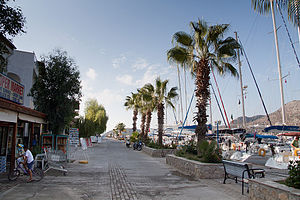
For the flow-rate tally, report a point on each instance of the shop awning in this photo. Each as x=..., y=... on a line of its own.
x=33, y=119
x=8, y=116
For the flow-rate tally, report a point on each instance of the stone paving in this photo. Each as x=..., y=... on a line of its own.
x=121, y=188
x=118, y=173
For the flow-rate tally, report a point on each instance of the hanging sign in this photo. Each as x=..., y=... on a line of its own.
x=11, y=89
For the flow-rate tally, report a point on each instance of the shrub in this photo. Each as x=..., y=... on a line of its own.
x=208, y=152
x=294, y=175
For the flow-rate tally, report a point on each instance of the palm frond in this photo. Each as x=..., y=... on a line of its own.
x=228, y=68
x=182, y=38
x=216, y=32
x=293, y=9
x=178, y=55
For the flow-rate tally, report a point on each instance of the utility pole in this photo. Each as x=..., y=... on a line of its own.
x=278, y=62
x=241, y=82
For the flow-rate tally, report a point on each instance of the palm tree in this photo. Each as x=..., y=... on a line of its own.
x=120, y=127
x=202, y=50
x=162, y=98
x=132, y=102
x=149, y=95
x=142, y=111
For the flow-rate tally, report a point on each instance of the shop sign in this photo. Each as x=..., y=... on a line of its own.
x=11, y=89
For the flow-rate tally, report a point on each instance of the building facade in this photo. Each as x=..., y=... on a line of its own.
x=19, y=123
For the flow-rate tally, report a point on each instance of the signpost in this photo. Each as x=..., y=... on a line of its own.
x=74, y=136
x=11, y=89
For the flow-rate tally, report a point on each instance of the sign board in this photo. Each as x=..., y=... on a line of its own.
x=74, y=136
x=11, y=89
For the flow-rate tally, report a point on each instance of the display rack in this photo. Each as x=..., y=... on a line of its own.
x=62, y=143
x=48, y=141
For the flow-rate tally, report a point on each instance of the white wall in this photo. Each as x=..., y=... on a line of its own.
x=24, y=65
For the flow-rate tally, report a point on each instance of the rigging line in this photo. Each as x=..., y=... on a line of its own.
x=186, y=114
x=288, y=33
x=220, y=97
x=252, y=28
x=175, y=116
x=243, y=50
x=218, y=105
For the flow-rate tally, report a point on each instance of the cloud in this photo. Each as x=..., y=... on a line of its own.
x=108, y=98
x=91, y=74
x=140, y=64
x=118, y=61
x=149, y=76
x=126, y=79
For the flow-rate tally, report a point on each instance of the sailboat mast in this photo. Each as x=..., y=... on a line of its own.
x=278, y=62
x=241, y=82
x=180, y=94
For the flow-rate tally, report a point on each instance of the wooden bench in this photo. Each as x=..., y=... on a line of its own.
x=234, y=170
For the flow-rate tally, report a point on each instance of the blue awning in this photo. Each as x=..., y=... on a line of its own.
x=249, y=135
x=282, y=128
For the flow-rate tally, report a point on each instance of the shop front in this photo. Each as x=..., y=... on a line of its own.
x=18, y=124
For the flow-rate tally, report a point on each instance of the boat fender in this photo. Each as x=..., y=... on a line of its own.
x=234, y=147
x=262, y=152
x=297, y=152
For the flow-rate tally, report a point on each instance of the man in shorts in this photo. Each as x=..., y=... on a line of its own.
x=29, y=161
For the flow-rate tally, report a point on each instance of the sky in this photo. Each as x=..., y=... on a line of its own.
x=121, y=45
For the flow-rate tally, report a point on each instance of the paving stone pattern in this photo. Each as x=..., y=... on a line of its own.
x=121, y=188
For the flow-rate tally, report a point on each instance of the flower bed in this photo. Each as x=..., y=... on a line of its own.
x=195, y=168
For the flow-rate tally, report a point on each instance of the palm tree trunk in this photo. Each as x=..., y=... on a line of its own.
x=160, y=120
x=148, y=121
x=143, y=125
x=202, y=94
x=134, y=118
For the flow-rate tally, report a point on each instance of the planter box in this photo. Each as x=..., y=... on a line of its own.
x=266, y=189
x=195, y=168
x=158, y=152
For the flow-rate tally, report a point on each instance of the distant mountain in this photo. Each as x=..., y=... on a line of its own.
x=292, y=110
x=239, y=120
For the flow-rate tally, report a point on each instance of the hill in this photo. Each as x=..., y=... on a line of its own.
x=292, y=110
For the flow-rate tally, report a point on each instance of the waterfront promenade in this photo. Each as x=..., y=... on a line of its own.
x=116, y=172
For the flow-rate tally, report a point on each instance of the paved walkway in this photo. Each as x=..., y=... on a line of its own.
x=118, y=173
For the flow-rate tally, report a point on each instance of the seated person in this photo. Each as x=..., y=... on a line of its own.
x=28, y=162
x=295, y=143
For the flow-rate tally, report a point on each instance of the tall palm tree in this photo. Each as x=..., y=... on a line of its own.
x=132, y=102
x=162, y=98
x=149, y=95
x=142, y=110
x=202, y=50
